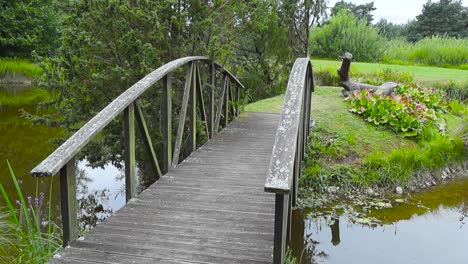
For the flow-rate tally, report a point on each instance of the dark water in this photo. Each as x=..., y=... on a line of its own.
x=99, y=191
x=428, y=227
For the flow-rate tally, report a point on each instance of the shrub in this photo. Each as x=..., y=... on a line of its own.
x=434, y=51
x=36, y=237
x=345, y=32
x=410, y=111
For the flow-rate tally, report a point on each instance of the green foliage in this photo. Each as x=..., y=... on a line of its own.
x=263, y=58
x=433, y=51
x=344, y=32
x=36, y=237
x=443, y=18
x=28, y=25
x=390, y=30
x=19, y=66
x=409, y=112
x=400, y=165
x=362, y=12
x=453, y=90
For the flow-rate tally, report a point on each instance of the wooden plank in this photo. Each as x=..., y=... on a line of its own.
x=280, y=174
x=192, y=112
x=197, y=212
x=167, y=123
x=219, y=105
x=147, y=139
x=226, y=103
x=201, y=101
x=211, y=119
x=55, y=161
x=129, y=152
x=68, y=202
x=182, y=114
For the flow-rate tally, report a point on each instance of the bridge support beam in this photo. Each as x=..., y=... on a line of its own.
x=68, y=202
x=129, y=145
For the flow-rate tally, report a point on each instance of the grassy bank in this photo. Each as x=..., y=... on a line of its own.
x=423, y=74
x=434, y=51
x=349, y=152
x=19, y=66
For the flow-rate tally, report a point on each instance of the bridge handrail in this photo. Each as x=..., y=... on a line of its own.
x=63, y=158
x=63, y=154
x=288, y=151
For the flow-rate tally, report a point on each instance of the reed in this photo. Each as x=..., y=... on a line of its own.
x=36, y=238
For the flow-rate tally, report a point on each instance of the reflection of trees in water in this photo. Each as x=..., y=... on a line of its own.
x=464, y=213
x=91, y=205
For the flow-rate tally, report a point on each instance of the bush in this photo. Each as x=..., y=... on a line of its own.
x=434, y=51
x=411, y=111
x=345, y=32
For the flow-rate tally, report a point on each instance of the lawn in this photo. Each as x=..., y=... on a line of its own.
x=423, y=74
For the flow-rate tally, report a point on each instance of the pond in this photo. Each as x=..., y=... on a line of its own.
x=100, y=191
x=426, y=227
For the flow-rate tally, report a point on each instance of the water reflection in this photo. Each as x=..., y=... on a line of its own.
x=426, y=232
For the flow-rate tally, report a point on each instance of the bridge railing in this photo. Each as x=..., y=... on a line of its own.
x=288, y=152
x=220, y=109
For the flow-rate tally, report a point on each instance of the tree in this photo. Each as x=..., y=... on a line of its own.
x=344, y=32
x=262, y=57
x=362, y=12
x=446, y=17
x=301, y=16
x=390, y=30
x=28, y=25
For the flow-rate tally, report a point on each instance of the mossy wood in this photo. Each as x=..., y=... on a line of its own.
x=63, y=157
x=350, y=86
x=288, y=152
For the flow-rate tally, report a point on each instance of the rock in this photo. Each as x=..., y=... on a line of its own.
x=368, y=191
x=332, y=189
x=399, y=190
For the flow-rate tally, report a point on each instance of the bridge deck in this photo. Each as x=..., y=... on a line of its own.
x=210, y=209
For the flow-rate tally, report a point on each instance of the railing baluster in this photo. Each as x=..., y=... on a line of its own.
x=129, y=144
x=192, y=144
x=238, y=100
x=231, y=98
x=219, y=108
x=201, y=101
x=281, y=223
x=167, y=123
x=68, y=202
x=226, y=103
x=147, y=139
x=211, y=120
x=183, y=113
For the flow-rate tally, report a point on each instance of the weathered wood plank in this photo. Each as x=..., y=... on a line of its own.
x=182, y=114
x=68, y=202
x=167, y=123
x=197, y=212
x=147, y=139
x=129, y=146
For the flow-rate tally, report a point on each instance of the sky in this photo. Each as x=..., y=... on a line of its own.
x=396, y=11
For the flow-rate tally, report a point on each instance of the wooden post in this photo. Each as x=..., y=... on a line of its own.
x=192, y=144
x=68, y=202
x=238, y=100
x=140, y=118
x=281, y=227
x=211, y=119
x=226, y=103
x=129, y=143
x=167, y=123
x=182, y=114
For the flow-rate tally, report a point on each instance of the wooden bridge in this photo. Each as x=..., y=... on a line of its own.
x=216, y=205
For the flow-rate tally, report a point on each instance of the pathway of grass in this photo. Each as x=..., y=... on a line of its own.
x=421, y=73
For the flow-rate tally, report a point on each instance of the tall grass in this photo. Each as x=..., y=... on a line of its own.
x=36, y=237
x=435, y=51
x=11, y=67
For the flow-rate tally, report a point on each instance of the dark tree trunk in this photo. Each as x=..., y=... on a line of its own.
x=350, y=86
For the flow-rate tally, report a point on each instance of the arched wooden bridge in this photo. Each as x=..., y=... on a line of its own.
x=229, y=201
